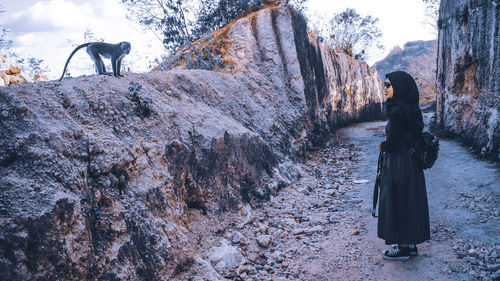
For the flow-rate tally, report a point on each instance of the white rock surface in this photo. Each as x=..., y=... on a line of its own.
x=226, y=259
x=468, y=98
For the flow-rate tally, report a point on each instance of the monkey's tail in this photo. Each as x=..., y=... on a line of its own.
x=74, y=51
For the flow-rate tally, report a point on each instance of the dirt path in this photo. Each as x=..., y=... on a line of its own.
x=320, y=227
x=464, y=201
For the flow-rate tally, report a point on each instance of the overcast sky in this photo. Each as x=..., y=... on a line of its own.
x=46, y=29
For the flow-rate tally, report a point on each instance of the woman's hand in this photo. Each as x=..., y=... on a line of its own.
x=382, y=146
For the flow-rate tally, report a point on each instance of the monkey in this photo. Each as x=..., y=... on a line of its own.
x=96, y=50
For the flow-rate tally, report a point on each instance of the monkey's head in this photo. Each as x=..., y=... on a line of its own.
x=125, y=47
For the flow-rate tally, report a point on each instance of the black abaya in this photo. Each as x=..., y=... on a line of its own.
x=403, y=208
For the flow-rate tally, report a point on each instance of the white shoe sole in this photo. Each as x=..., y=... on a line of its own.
x=405, y=258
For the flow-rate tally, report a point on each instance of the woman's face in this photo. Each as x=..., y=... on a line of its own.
x=389, y=91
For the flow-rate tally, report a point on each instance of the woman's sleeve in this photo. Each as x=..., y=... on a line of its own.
x=394, y=136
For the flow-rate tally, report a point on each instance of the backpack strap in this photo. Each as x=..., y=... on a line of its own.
x=377, y=184
x=412, y=145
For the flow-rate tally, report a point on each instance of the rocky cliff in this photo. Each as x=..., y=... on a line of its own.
x=120, y=179
x=417, y=58
x=468, y=71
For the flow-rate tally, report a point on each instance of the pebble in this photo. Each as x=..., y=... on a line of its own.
x=473, y=260
x=494, y=267
x=298, y=217
x=472, y=252
x=278, y=257
x=236, y=239
x=264, y=240
x=494, y=255
x=333, y=209
x=279, y=227
x=316, y=206
x=361, y=181
x=496, y=275
x=332, y=219
x=242, y=269
x=299, y=231
x=263, y=228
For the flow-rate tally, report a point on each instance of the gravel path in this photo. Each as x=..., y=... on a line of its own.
x=320, y=227
x=464, y=202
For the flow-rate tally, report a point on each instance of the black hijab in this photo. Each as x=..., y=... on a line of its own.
x=405, y=88
x=406, y=96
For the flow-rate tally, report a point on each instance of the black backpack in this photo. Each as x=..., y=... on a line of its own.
x=426, y=150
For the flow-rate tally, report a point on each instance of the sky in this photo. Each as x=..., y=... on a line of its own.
x=400, y=21
x=50, y=29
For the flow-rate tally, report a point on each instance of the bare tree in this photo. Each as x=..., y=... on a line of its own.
x=5, y=43
x=89, y=36
x=215, y=14
x=298, y=5
x=170, y=18
x=432, y=13
x=353, y=34
x=32, y=66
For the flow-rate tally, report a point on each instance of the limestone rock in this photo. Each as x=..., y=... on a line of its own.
x=13, y=70
x=10, y=74
x=40, y=78
x=226, y=259
x=205, y=270
x=92, y=188
x=264, y=240
x=468, y=101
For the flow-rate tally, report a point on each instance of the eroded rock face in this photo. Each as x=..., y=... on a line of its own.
x=98, y=175
x=468, y=102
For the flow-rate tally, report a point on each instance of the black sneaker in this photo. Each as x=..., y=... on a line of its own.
x=396, y=252
x=413, y=250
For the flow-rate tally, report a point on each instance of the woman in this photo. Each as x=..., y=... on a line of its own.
x=403, y=209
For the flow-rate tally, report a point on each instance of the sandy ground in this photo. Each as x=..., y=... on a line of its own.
x=320, y=227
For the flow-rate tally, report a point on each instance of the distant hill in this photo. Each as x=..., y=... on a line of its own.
x=417, y=58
